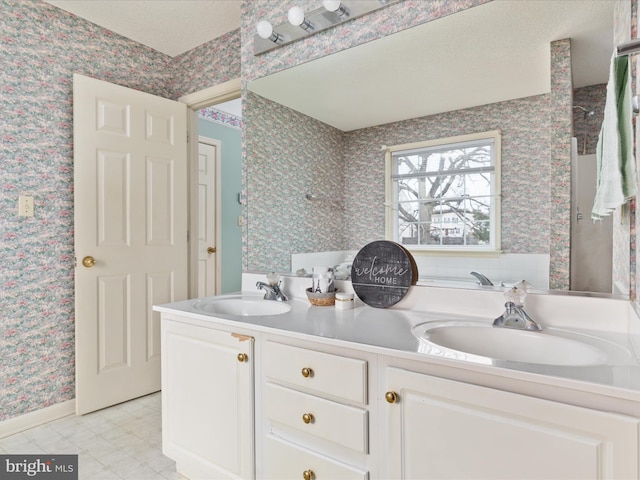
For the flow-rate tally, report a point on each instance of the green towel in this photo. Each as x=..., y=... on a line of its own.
x=617, y=178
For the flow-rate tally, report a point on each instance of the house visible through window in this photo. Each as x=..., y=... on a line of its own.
x=445, y=194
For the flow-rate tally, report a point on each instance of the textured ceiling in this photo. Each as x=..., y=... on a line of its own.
x=169, y=26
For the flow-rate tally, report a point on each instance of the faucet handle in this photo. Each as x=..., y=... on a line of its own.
x=515, y=295
x=273, y=279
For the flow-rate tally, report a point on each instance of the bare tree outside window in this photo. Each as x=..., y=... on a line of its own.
x=444, y=195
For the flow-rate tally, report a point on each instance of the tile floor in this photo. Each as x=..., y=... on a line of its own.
x=120, y=442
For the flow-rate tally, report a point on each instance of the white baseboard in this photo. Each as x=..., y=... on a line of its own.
x=37, y=418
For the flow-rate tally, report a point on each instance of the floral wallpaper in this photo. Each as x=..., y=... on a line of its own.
x=42, y=47
x=561, y=132
x=211, y=63
x=292, y=156
x=223, y=118
x=526, y=172
x=586, y=123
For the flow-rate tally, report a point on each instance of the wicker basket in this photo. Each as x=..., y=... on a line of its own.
x=321, y=299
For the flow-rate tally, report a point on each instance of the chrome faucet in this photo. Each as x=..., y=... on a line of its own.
x=483, y=280
x=272, y=291
x=515, y=317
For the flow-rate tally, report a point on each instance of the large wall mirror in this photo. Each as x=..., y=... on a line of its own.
x=314, y=133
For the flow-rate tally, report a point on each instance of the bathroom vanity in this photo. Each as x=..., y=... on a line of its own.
x=315, y=393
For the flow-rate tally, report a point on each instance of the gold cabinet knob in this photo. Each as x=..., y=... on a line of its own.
x=307, y=372
x=88, y=261
x=211, y=250
x=307, y=418
x=391, y=397
x=308, y=475
x=243, y=357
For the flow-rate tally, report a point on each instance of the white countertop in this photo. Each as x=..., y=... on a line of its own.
x=388, y=331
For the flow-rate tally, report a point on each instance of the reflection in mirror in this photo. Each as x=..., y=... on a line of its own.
x=318, y=129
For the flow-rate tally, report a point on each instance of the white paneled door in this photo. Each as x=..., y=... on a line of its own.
x=130, y=203
x=208, y=151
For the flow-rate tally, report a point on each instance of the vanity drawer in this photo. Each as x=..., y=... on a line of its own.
x=341, y=424
x=286, y=461
x=324, y=373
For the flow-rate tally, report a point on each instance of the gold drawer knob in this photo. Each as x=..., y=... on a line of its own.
x=307, y=418
x=243, y=357
x=308, y=475
x=307, y=372
x=391, y=397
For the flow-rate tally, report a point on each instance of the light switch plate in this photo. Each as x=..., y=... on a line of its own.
x=25, y=206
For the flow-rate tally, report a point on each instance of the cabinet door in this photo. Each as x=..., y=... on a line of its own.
x=207, y=401
x=439, y=429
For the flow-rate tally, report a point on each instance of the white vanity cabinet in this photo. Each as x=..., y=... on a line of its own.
x=249, y=401
x=207, y=401
x=315, y=414
x=439, y=429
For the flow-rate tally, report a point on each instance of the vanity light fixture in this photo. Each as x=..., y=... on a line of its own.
x=329, y=13
x=265, y=30
x=335, y=6
x=296, y=18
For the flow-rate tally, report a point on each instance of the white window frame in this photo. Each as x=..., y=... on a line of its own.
x=391, y=210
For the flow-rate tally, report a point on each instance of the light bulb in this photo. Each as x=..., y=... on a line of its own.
x=331, y=5
x=334, y=6
x=296, y=16
x=265, y=30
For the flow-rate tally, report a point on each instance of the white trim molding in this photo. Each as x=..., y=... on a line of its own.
x=37, y=418
x=217, y=94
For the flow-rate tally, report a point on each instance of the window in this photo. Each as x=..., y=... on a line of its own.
x=445, y=194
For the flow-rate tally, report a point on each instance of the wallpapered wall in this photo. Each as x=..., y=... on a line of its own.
x=291, y=156
x=42, y=47
x=525, y=167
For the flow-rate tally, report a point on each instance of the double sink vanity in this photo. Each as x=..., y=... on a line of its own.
x=427, y=389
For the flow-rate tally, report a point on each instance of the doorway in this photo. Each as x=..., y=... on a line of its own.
x=228, y=231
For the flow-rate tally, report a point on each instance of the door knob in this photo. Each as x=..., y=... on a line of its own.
x=308, y=418
x=308, y=475
x=88, y=261
x=211, y=250
x=391, y=397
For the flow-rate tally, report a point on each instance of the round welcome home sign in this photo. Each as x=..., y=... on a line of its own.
x=382, y=273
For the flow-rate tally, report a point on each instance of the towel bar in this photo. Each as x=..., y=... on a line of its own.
x=628, y=48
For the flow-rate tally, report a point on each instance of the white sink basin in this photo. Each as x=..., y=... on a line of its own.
x=242, y=306
x=480, y=342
